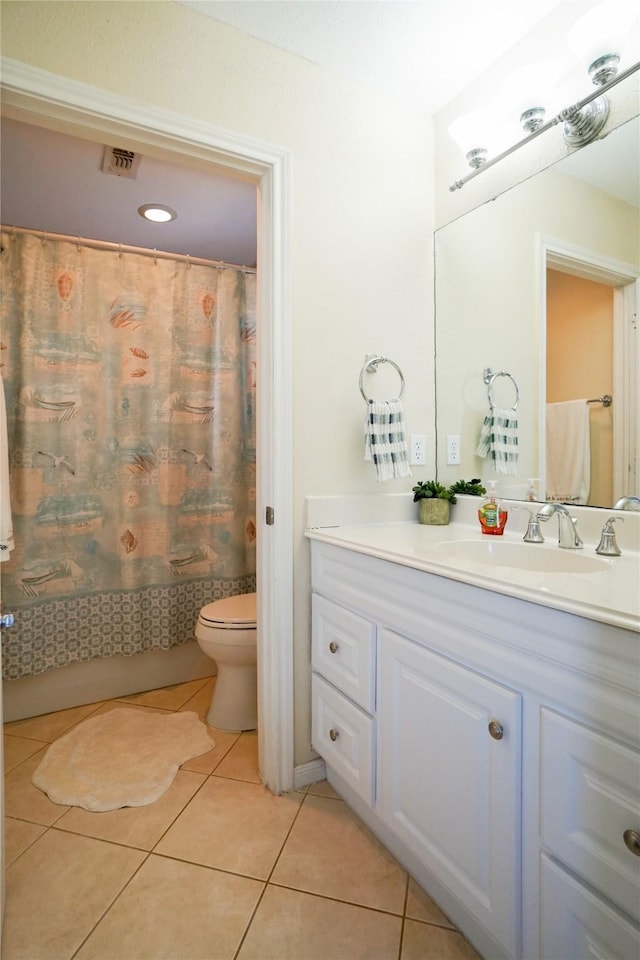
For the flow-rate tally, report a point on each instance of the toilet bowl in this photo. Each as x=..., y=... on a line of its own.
x=226, y=632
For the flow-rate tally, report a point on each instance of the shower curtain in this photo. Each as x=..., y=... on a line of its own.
x=130, y=387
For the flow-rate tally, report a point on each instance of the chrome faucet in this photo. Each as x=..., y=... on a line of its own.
x=533, y=533
x=608, y=546
x=568, y=535
x=627, y=503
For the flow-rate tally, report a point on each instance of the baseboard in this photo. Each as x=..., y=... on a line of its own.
x=310, y=772
x=103, y=679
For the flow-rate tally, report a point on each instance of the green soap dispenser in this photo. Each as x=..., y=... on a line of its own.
x=492, y=515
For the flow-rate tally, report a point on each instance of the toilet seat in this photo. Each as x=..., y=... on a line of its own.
x=232, y=613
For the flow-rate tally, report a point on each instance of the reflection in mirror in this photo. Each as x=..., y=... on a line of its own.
x=542, y=283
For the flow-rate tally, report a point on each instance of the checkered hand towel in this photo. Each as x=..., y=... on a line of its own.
x=499, y=439
x=384, y=439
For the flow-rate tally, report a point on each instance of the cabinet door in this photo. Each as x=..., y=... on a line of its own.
x=590, y=804
x=448, y=788
x=577, y=924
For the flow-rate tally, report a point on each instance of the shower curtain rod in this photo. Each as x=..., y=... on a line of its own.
x=127, y=248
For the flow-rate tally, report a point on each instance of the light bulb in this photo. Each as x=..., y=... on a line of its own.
x=599, y=37
x=157, y=212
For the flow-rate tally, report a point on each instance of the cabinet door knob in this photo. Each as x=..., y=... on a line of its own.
x=496, y=730
x=333, y=647
x=632, y=841
x=333, y=734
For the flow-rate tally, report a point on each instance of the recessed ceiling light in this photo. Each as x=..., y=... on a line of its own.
x=157, y=212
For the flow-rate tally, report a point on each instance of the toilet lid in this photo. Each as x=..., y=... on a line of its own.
x=232, y=612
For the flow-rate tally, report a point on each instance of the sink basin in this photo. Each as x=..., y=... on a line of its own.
x=522, y=556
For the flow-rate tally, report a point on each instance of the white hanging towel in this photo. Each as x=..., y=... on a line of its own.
x=384, y=439
x=6, y=524
x=568, y=451
x=498, y=439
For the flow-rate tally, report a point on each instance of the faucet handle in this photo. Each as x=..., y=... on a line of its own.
x=533, y=533
x=608, y=546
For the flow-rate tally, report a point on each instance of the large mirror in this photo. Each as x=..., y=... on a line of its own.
x=542, y=284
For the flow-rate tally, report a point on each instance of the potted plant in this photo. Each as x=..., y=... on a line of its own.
x=472, y=488
x=435, y=500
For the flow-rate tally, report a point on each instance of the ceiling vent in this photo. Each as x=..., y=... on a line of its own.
x=120, y=162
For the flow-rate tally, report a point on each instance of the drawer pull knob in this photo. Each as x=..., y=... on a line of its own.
x=333, y=647
x=632, y=841
x=333, y=734
x=496, y=730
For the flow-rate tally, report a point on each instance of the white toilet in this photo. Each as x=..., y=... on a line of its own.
x=226, y=632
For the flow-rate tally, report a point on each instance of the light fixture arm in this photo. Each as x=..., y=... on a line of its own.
x=573, y=116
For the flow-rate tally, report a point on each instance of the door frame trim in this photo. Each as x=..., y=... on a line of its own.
x=46, y=99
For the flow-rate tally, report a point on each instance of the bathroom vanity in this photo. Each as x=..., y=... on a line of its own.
x=483, y=719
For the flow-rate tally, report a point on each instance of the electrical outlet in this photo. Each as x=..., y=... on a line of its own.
x=417, y=449
x=453, y=449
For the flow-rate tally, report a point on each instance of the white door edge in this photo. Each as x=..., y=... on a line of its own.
x=37, y=96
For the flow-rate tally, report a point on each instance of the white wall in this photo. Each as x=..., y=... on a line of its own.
x=361, y=210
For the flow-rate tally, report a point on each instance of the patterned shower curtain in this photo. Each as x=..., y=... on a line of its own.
x=130, y=385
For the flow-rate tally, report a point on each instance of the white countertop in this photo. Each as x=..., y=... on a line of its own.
x=609, y=593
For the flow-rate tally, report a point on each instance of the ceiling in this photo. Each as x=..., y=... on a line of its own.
x=54, y=182
x=423, y=51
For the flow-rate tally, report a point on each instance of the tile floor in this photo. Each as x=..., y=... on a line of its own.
x=217, y=868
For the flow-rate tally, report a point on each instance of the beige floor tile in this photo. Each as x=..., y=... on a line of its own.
x=323, y=789
x=423, y=941
x=18, y=837
x=290, y=925
x=207, y=762
x=50, y=726
x=232, y=825
x=330, y=852
x=241, y=762
x=167, y=698
x=24, y=801
x=175, y=910
x=201, y=701
x=139, y=827
x=58, y=890
x=17, y=749
x=420, y=906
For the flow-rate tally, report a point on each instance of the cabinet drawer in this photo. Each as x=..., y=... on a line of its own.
x=577, y=924
x=343, y=735
x=590, y=797
x=343, y=650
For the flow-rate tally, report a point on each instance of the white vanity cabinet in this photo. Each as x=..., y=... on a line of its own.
x=492, y=745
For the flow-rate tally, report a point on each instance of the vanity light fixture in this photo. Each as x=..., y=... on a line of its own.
x=471, y=133
x=157, y=212
x=598, y=39
x=530, y=92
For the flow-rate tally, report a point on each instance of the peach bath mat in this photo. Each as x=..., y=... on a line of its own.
x=123, y=758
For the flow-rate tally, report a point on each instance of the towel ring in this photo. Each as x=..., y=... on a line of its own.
x=371, y=366
x=489, y=376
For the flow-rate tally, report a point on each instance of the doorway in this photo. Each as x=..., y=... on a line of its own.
x=584, y=272
x=44, y=99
